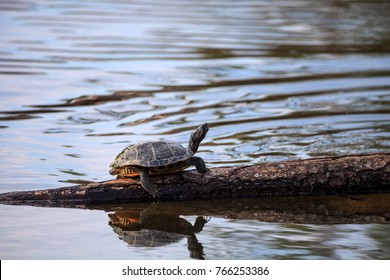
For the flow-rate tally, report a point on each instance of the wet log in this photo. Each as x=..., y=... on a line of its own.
x=345, y=175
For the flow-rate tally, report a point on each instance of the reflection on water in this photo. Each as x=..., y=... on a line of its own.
x=354, y=227
x=268, y=228
x=152, y=227
x=274, y=80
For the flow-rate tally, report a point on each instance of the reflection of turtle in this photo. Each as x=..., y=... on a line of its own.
x=146, y=237
x=151, y=229
x=159, y=157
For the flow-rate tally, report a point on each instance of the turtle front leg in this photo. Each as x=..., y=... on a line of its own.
x=199, y=164
x=147, y=183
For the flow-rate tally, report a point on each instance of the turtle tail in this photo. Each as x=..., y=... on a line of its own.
x=197, y=136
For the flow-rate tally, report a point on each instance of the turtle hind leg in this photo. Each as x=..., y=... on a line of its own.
x=147, y=183
x=199, y=164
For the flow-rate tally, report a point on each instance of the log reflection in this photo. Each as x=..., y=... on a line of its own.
x=355, y=209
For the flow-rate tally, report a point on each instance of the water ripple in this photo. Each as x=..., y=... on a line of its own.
x=291, y=79
x=275, y=80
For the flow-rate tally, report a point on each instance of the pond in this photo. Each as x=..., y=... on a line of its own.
x=275, y=80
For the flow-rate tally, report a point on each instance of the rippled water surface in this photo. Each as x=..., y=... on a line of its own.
x=275, y=80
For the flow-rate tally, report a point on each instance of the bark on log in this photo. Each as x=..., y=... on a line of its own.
x=352, y=174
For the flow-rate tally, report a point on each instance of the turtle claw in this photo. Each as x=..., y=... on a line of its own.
x=152, y=191
x=147, y=184
x=155, y=193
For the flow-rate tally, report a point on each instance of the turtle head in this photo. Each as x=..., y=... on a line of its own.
x=113, y=169
x=197, y=136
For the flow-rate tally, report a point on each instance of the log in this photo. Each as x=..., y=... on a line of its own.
x=344, y=175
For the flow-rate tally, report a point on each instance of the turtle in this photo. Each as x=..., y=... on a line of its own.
x=158, y=157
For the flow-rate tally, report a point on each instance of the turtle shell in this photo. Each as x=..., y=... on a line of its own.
x=152, y=154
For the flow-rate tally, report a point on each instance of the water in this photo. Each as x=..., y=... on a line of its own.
x=268, y=228
x=274, y=80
